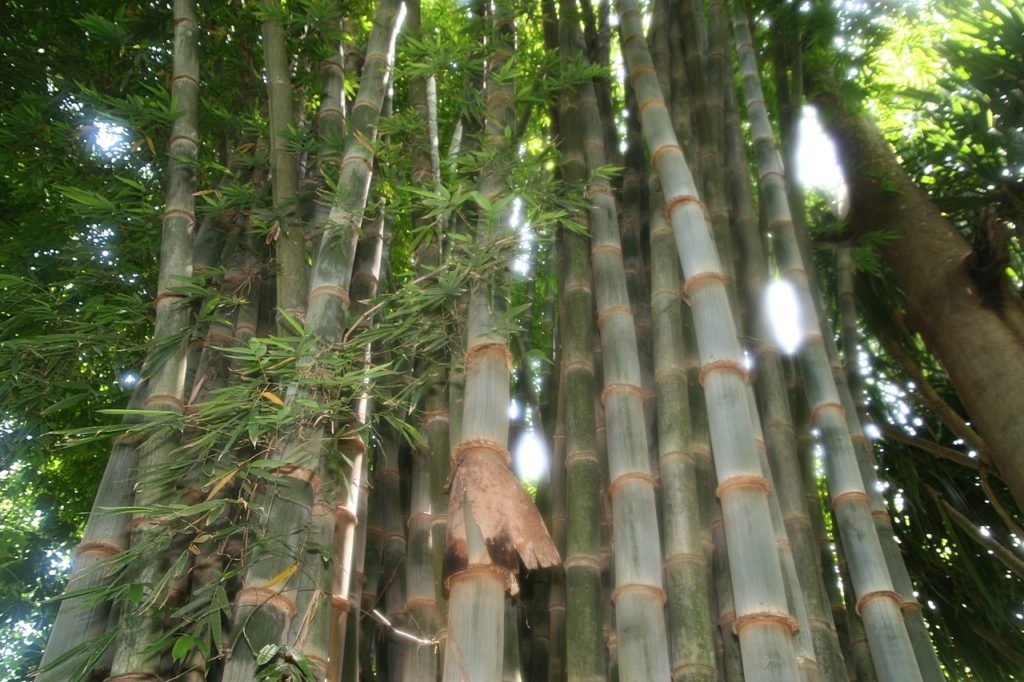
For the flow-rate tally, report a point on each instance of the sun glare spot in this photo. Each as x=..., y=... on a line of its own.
x=784, y=315
x=128, y=380
x=531, y=457
x=816, y=161
x=110, y=138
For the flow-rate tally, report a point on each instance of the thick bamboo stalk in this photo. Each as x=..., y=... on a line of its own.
x=584, y=642
x=492, y=524
x=878, y=602
x=106, y=534
x=639, y=595
x=265, y=604
x=774, y=402
x=141, y=629
x=388, y=475
x=292, y=277
x=691, y=643
x=763, y=621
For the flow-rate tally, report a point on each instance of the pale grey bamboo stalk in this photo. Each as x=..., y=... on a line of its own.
x=878, y=602
x=912, y=610
x=763, y=621
x=485, y=543
x=778, y=422
x=639, y=594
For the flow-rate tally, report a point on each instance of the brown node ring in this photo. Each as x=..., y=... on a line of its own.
x=743, y=481
x=765, y=618
x=473, y=354
x=649, y=590
x=495, y=447
x=878, y=594
x=727, y=365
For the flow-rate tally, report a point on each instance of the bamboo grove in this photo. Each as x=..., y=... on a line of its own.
x=382, y=225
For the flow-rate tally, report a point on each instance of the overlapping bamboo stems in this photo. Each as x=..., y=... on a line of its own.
x=292, y=275
x=763, y=621
x=558, y=522
x=771, y=386
x=879, y=604
x=687, y=568
x=142, y=628
x=80, y=621
x=265, y=605
x=348, y=500
x=913, y=615
x=388, y=484
x=639, y=596
x=584, y=641
x=482, y=540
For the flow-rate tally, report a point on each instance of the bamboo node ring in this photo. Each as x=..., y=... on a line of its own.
x=330, y=290
x=726, y=365
x=680, y=199
x=474, y=354
x=414, y=602
x=880, y=514
x=765, y=618
x=651, y=102
x=821, y=407
x=629, y=388
x=262, y=596
x=613, y=310
x=476, y=569
x=581, y=456
x=613, y=249
x=649, y=590
x=850, y=496
x=301, y=473
x=743, y=481
x=163, y=401
x=628, y=476
x=708, y=276
x=102, y=547
x=878, y=594
x=340, y=602
x=582, y=561
x=911, y=605
x=475, y=444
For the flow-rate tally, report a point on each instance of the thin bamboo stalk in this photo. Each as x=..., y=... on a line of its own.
x=292, y=275
x=142, y=628
x=878, y=602
x=763, y=621
x=639, y=595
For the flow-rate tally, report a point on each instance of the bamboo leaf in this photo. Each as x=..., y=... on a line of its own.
x=283, y=575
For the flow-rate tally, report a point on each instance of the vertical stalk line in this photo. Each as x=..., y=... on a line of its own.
x=265, y=605
x=492, y=524
x=388, y=476
x=691, y=641
x=140, y=629
x=847, y=379
x=878, y=602
x=559, y=510
x=584, y=641
x=639, y=594
x=780, y=436
x=106, y=535
x=292, y=274
x=348, y=499
x=763, y=621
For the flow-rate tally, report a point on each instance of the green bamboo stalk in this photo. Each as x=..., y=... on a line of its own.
x=878, y=602
x=264, y=606
x=691, y=643
x=772, y=391
x=763, y=621
x=292, y=277
x=140, y=629
x=557, y=649
x=492, y=525
x=78, y=621
x=639, y=595
x=388, y=475
x=584, y=643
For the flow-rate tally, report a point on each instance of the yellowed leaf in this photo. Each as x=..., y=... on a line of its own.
x=283, y=575
x=272, y=398
x=221, y=482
